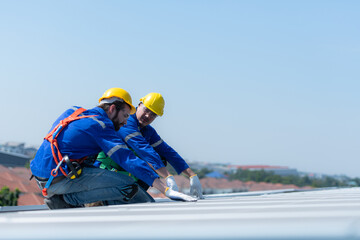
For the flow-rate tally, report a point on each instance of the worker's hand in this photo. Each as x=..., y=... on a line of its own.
x=195, y=187
x=170, y=182
x=178, y=196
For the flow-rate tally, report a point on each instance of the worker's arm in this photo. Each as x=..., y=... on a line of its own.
x=115, y=148
x=170, y=180
x=143, y=148
x=177, y=162
x=123, y=156
x=135, y=140
x=163, y=172
x=167, y=152
x=188, y=172
x=195, y=185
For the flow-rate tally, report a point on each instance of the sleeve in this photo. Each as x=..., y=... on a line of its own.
x=115, y=148
x=135, y=140
x=170, y=155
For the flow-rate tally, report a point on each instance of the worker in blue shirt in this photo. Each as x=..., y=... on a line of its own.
x=63, y=166
x=143, y=139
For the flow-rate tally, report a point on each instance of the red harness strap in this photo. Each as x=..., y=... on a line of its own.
x=52, y=138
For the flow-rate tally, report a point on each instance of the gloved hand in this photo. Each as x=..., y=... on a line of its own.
x=170, y=182
x=178, y=196
x=195, y=187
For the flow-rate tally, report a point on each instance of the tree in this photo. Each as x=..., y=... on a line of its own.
x=202, y=172
x=9, y=198
x=270, y=177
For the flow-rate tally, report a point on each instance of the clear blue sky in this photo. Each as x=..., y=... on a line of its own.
x=245, y=82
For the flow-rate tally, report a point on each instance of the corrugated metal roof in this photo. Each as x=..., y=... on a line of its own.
x=322, y=214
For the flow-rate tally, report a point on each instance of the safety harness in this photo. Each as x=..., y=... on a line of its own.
x=109, y=164
x=74, y=165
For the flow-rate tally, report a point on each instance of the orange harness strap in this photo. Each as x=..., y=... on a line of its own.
x=52, y=137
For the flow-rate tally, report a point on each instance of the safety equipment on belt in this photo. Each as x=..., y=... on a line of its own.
x=178, y=196
x=117, y=94
x=155, y=102
x=170, y=182
x=74, y=165
x=195, y=187
x=75, y=168
x=109, y=164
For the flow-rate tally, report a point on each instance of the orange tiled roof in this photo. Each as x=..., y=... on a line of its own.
x=19, y=178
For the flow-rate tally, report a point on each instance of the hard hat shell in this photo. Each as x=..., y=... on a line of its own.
x=119, y=93
x=155, y=102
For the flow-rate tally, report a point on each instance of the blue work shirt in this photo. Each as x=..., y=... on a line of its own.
x=87, y=137
x=148, y=145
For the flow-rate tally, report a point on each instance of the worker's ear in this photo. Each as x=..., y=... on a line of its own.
x=112, y=108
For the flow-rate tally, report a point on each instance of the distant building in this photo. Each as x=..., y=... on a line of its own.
x=221, y=168
x=14, y=154
x=312, y=175
x=18, y=148
x=215, y=174
x=30, y=151
x=228, y=168
x=278, y=170
x=13, y=147
x=13, y=159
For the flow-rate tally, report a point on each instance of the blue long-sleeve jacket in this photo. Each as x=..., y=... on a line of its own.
x=149, y=146
x=87, y=137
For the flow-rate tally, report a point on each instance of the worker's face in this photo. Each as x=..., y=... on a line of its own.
x=144, y=115
x=119, y=117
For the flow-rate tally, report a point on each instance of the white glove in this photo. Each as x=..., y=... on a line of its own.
x=178, y=196
x=170, y=182
x=195, y=187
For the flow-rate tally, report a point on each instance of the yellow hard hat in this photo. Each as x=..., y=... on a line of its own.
x=113, y=94
x=155, y=102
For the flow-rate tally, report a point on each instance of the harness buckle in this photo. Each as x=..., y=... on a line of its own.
x=74, y=167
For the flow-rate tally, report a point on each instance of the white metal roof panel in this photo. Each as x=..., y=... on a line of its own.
x=325, y=214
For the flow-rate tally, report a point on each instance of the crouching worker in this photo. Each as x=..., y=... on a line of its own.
x=63, y=167
x=143, y=139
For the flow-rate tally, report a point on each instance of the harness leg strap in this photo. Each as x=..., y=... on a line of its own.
x=134, y=188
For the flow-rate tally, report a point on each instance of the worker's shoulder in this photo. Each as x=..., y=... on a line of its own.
x=95, y=111
x=97, y=117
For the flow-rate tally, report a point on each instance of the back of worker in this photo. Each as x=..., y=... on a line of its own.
x=93, y=132
x=87, y=137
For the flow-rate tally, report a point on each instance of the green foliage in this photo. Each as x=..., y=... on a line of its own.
x=270, y=177
x=202, y=172
x=357, y=181
x=9, y=198
x=27, y=165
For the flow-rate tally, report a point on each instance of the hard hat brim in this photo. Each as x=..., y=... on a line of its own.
x=113, y=99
